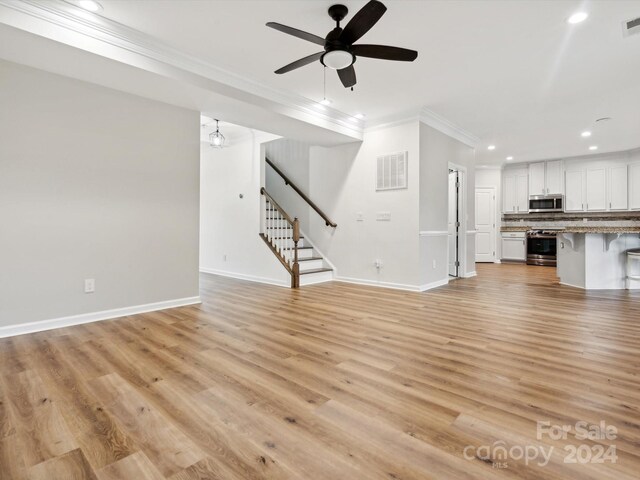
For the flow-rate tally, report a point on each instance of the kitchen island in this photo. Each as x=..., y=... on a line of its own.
x=594, y=258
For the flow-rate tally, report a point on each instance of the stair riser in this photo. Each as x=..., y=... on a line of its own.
x=306, y=253
x=316, y=278
x=310, y=265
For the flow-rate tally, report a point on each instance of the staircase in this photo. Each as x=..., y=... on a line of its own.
x=282, y=234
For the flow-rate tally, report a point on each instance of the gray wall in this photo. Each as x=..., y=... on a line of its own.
x=229, y=225
x=94, y=183
x=437, y=151
x=292, y=158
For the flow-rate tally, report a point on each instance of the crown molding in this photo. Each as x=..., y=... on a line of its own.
x=394, y=120
x=28, y=15
x=443, y=125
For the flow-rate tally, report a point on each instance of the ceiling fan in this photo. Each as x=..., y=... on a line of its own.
x=340, y=53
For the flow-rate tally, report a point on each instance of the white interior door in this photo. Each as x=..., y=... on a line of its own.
x=485, y=224
x=453, y=224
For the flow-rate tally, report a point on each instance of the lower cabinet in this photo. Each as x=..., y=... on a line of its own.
x=514, y=246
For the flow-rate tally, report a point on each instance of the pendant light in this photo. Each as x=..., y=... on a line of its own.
x=216, y=139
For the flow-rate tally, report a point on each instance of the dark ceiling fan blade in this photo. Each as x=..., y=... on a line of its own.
x=385, y=52
x=300, y=63
x=310, y=37
x=348, y=76
x=362, y=21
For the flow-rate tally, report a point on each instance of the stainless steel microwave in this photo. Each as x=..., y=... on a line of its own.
x=546, y=203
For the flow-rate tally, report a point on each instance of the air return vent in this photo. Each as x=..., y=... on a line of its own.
x=631, y=27
x=392, y=171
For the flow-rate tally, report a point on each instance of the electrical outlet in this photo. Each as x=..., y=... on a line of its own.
x=378, y=263
x=434, y=264
x=224, y=257
x=89, y=285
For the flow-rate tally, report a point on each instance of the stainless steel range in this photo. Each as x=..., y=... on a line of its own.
x=541, y=248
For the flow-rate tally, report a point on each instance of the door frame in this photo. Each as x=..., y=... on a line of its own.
x=495, y=219
x=457, y=223
x=462, y=215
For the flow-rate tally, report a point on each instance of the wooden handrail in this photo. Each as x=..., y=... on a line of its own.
x=287, y=181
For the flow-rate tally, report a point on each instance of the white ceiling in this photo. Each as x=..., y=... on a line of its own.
x=512, y=73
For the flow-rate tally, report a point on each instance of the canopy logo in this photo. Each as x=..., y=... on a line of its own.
x=499, y=454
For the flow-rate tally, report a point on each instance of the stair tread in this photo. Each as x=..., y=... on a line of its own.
x=284, y=238
x=309, y=259
x=316, y=270
x=299, y=248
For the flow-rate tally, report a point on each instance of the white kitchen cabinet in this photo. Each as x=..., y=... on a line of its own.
x=545, y=178
x=509, y=194
x=522, y=193
x=537, y=182
x=596, y=194
x=634, y=186
x=618, y=191
x=514, y=247
x=515, y=188
x=553, y=177
x=574, y=190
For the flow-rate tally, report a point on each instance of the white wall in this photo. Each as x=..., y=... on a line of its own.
x=94, y=183
x=492, y=177
x=342, y=182
x=229, y=225
x=292, y=158
x=437, y=152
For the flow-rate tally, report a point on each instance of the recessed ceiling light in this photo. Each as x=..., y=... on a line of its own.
x=509, y=158
x=585, y=134
x=325, y=102
x=593, y=147
x=577, y=17
x=359, y=116
x=491, y=147
x=90, y=5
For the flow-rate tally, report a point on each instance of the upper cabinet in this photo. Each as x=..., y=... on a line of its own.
x=604, y=183
x=537, y=182
x=596, y=196
x=553, y=176
x=515, y=196
x=618, y=188
x=574, y=190
x=634, y=186
x=545, y=178
x=596, y=188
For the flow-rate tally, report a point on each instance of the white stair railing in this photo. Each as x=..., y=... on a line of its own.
x=281, y=234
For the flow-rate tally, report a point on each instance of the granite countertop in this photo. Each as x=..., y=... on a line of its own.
x=596, y=229
x=519, y=228
x=575, y=229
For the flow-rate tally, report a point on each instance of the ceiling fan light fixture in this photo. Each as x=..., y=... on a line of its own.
x=337, y=59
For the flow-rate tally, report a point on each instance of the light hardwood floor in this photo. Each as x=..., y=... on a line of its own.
x=333, y=381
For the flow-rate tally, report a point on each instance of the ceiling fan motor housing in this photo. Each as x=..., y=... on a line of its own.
x=338, y=12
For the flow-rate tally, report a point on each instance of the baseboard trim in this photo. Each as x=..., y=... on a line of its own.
x=471, y=274
x=371, y=283
x=250, y=278
x=432, y=285
x=51, y=324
